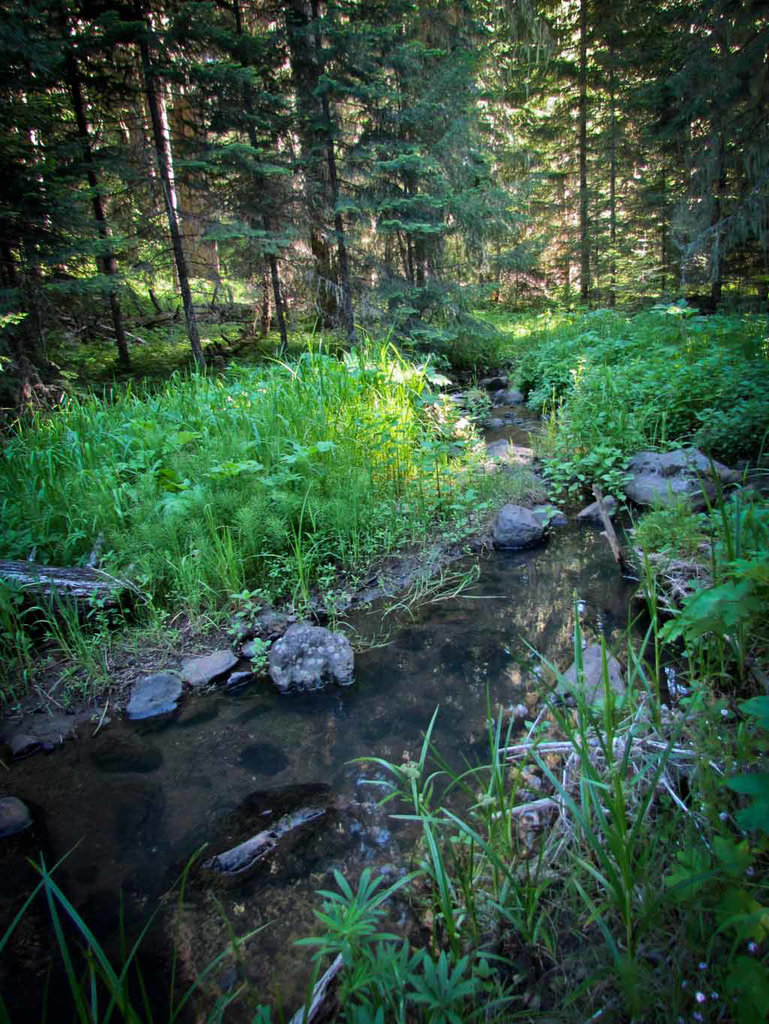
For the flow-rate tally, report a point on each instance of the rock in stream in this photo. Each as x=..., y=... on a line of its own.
x=517, y=527
x=308, y=657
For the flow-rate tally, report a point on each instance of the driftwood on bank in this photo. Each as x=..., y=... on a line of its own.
x=66, y=582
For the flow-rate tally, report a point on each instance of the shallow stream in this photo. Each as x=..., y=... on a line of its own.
x=135, y=802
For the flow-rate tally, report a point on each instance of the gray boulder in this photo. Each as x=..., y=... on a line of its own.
x=156, y=694
x=209, y=668
x=507, y=396
x=664, y=478
x=308, y=657
x=592, y=677
x=516, y=527
x=498, y=383
x=592, y=513
x=14, y=816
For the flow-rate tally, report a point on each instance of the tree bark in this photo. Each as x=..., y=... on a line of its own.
x=612, y=173
x=346, y=314
x=584, y=238
x=663, y=233
x=266, y=317
x=271, y=258
x=108, y=261
x=164, y=157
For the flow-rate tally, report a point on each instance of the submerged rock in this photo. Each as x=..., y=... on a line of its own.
x=664, y=478
x=308, y=657
x=14, y=816
x=209, y=668
x=239, y=679
x=156, y=694
x=41, y=732
x=246, y=855
x=592, y=677
x=516, y=527
x=592, y=513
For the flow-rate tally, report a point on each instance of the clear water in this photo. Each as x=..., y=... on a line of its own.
x=135, y=802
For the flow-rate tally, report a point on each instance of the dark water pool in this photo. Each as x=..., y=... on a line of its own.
x=135, y=802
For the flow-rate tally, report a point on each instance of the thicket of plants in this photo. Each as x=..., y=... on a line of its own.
x=271, y=483
x=612, y=384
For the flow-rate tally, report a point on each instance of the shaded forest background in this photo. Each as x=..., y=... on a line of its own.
x=377, y=166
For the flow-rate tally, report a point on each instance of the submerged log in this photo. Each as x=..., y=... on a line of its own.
x=246, y=855
x=49, y=580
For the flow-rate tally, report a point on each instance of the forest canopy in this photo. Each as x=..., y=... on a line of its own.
x=380, y=165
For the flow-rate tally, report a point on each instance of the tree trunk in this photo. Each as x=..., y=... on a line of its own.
x=612, y=174
x=279, y=315
x=108, y=261
x=165, y=168
x=717, y=259
x=345, y=310
x=264, y=326
x=584, y=239
x=663, y=233
x=271, y=258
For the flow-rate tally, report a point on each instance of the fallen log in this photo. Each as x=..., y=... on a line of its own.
x=609, y=531
x=83, y=585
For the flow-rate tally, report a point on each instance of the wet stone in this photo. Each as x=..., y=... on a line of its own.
x=516, y=527
x=14, y=816
x=42, y=732
x=378, y=835
x=308, y=657
x=207, y=669
x=156, y=694
x=238, y=680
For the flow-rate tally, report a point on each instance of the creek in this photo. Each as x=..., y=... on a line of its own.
x=135, y=802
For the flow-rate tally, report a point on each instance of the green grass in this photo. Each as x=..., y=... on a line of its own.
x=279, y=480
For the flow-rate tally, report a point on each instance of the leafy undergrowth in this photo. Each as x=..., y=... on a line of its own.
x=612, y=384
x=268, y=482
